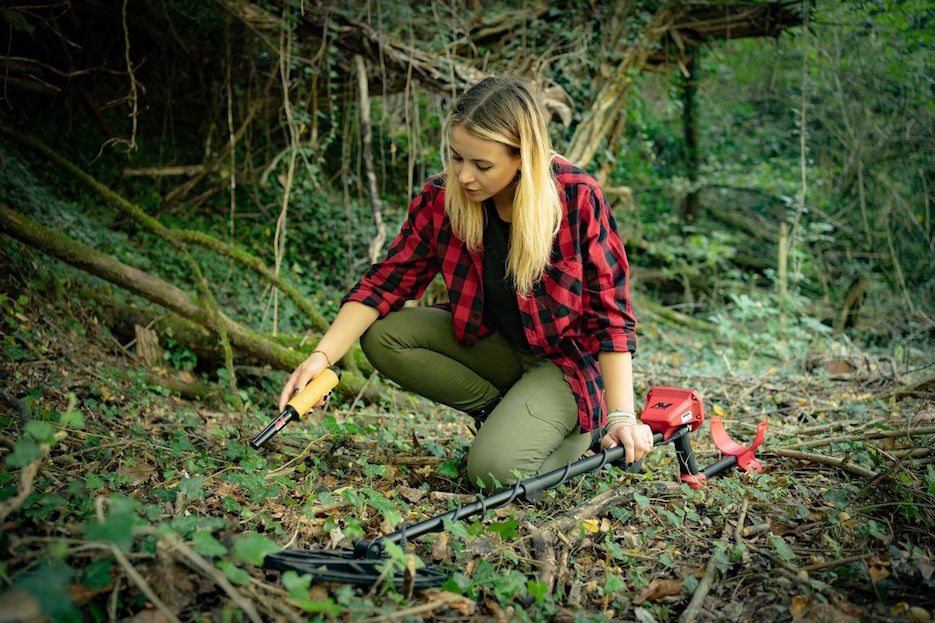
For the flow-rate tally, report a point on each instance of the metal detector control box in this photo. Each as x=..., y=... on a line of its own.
x=669, y=408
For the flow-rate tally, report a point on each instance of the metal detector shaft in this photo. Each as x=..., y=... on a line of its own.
x=720, y=467
x=548, y=480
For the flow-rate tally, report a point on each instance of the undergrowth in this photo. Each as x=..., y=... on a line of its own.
x=117, y=492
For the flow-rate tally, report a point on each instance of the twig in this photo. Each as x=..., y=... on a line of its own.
x=134, y=94
x=543, y=539
x=279, y=237
x=197, y=562
x=15, y=403
x=822, y=428
x=426, y=607
x=835, y=563
x=710, y=573
x=141, y=583
x=756, y=529
x=864, y=435
x=825, y=460
x=308, y=448
x=112, y=602
x=27, y=479
x=738, y=532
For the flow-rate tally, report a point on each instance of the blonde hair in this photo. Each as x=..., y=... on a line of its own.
x=504, y=110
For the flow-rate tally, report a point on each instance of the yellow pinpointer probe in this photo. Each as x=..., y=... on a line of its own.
x=300, y=404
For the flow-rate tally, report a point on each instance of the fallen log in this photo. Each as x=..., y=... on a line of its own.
x=171, y=235
x=244, y=339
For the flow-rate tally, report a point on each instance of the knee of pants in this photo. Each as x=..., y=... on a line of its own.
x=488, y=464
x=376, y=341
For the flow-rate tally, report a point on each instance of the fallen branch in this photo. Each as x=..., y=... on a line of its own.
x=198, y=563
x=140, y=581
x=710, y=573
x=210, y=307
x=202, y=239
x=181, y=169
x=431, y=606
x=925, y=385
x=543, y=539
x=152, y=288
x=821, y=459
x=162, y=293
x=865, y=435
x=675, y=317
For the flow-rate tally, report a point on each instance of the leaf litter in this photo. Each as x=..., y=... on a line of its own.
x=143, y=472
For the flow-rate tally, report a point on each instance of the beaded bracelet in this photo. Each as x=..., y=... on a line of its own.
x=621, y=417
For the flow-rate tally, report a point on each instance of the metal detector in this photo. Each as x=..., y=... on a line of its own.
x=672, y=414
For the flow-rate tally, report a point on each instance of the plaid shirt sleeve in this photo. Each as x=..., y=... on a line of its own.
x=409, y=264
x=608, y=319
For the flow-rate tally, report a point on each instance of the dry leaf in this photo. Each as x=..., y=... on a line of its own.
x=137, y=473
x=81, y=594
x=826, y=613
x=926, y=569
x=452, y=600
x=498, y=614
x=410, y=494
x=877, y=574
x=799, y=605
x=659, y=588
x=18, y=605
x=918, y=614
x=336, y=536
x=317, y=592
x=150, y=616
x=440, y=551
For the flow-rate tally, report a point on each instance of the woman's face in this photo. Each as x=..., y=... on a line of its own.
x=484, y=168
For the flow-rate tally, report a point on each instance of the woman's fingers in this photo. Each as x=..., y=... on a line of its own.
x=637, y=441
x=307, y=370
x=288, y=390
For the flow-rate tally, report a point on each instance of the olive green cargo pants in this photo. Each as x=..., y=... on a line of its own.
x=533, y=429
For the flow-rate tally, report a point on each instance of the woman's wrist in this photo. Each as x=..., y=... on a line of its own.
x=325, y=355
x=620, y=417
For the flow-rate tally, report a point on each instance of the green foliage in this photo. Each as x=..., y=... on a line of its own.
x=147, y=465
x=298, y=587
x=48, y=584
x=253, y=548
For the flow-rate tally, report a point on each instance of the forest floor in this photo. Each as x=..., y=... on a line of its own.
x=122, y=500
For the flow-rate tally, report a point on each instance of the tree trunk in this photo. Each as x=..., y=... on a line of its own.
x=247, y=341
x=690, y=128
x=376, y=245
x=604, y=113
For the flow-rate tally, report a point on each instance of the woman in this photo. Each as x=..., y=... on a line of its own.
x=537, y=339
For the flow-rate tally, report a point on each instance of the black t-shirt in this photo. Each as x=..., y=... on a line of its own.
x=500, y=307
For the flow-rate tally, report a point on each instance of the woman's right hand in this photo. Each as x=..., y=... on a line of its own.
x=309, y=369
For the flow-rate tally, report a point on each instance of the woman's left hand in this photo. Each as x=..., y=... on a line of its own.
x=636, y=439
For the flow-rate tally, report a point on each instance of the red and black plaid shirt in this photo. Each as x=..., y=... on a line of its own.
x=581, y=305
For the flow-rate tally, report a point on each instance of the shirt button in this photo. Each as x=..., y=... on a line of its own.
x=475, y=316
